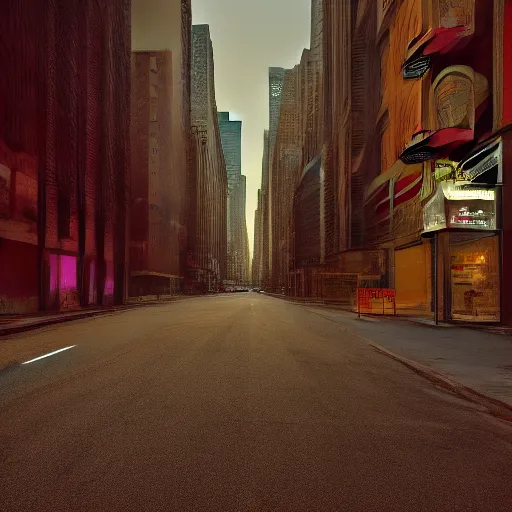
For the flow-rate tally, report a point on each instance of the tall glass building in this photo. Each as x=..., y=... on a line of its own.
x=238, y=246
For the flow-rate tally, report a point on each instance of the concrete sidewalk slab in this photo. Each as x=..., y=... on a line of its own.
x=16, y=324
x=470, y=359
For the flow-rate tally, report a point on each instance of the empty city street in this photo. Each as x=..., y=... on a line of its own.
x=237, y=402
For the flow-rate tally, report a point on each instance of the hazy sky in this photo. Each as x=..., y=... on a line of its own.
x=248, y=37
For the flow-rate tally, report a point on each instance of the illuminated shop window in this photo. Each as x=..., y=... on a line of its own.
x=475, y=278
x=470, y=206
x=472, y=214
x=461, y=206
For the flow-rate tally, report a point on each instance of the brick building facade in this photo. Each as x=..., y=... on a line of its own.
x=64, y=93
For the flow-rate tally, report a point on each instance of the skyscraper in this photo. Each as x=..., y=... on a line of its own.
x=208, y=190
x=231, y=137
x=238, y=247
x=276, y=79
x=160, y=134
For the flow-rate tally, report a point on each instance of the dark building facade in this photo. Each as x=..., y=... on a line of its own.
x=207, y=227
x=161, y=167
x=256, y=257
x=64, y=157
x=263, y=229
x=157, y=232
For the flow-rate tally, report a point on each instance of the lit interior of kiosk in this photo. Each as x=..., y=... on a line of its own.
x=466, y=204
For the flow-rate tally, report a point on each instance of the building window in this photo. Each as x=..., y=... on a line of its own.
x=63, y=214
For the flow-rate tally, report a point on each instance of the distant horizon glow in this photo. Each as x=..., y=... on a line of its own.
x=248, y=38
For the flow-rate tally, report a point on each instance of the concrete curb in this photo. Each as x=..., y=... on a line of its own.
x=51, y=320
x=497, y=330
x=497, y=408
x=15, y=329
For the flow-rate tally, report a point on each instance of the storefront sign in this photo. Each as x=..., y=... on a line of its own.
x=467, y=192
x=478, y=219
x=376, y=300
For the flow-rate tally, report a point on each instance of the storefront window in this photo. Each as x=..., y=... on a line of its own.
x=434, y=216
x=470, y=206
x=472, y=214
x=457, y=205
x=475, y=279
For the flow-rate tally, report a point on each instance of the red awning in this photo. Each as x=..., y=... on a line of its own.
x=435, y=41
x=435, y=145
x=451, y=138
x=439, y=40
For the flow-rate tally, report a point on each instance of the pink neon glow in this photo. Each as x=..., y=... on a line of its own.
x=67, y=273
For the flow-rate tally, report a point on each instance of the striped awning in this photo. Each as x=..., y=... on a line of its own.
x=397, y=186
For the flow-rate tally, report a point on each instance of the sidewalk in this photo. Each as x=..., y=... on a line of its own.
x=405, y=315
x=20, y=323
x=460, y=357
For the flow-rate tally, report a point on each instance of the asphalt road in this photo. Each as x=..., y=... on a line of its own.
x=238, y=403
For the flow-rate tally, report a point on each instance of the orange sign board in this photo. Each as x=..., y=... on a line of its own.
x=376, y=300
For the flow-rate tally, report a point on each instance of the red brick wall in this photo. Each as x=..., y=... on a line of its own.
x=65, y=86
x=19, y=288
